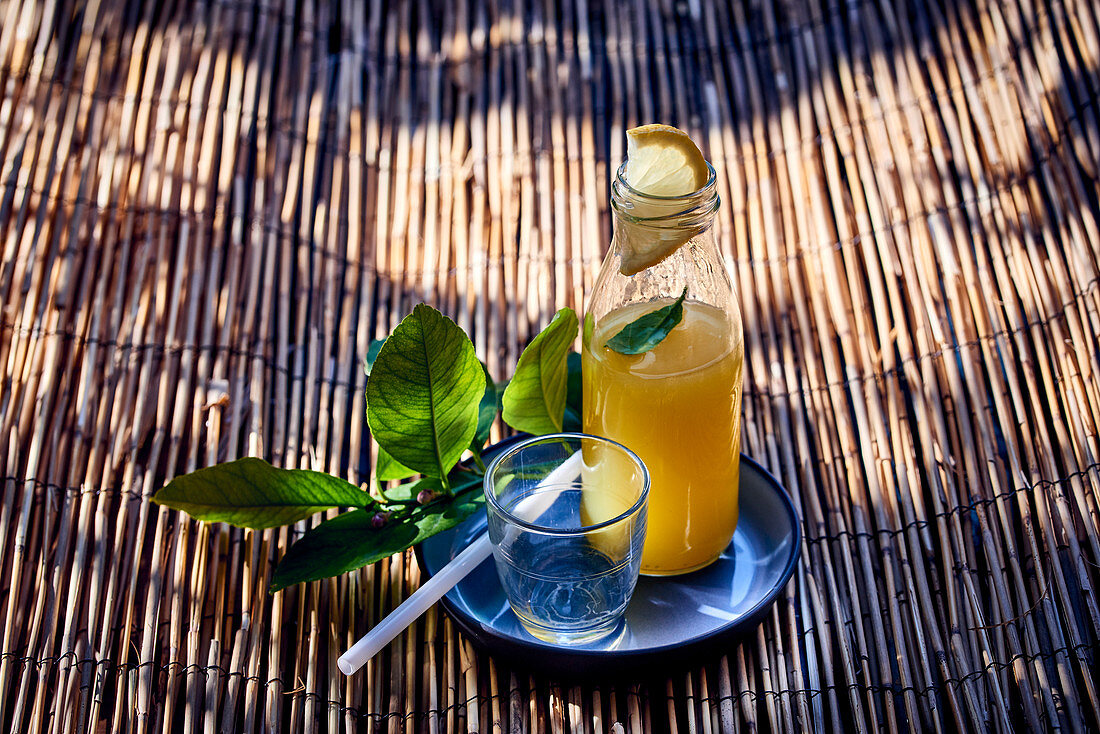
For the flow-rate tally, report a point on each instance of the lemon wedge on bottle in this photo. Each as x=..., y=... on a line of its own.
x=664, y=163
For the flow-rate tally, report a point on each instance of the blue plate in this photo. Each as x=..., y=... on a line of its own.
x=676, y=620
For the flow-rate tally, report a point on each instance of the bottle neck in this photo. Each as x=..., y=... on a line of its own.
x=679, y=235
x=665, y=215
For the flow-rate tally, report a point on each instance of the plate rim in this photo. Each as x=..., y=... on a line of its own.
x=603, y=662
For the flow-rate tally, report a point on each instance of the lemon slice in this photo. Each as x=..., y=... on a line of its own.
x=662, y=162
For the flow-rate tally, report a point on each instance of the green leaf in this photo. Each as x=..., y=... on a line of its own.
x=646, y=332
x=424, y=391
x=250, y=493
x=463, y=480
x=372, y=354
x=534, y=401
x=486, y=411
x=351, y=540
x=387, y=468
x=574, y=394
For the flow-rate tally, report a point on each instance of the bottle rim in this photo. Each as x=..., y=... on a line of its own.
x=697, y=206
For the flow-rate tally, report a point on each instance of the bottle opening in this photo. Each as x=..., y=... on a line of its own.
x=689, y=210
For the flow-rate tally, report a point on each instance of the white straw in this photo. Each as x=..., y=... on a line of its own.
x=438, y=585
x=420, y=601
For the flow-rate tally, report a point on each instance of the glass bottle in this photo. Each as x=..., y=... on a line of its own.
x=678, y=406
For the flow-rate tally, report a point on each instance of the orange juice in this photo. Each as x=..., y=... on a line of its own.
x=678, y=407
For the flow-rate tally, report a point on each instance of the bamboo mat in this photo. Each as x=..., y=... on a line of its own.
x=208, y=210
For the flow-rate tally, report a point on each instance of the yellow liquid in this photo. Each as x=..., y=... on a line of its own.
x=678, y=407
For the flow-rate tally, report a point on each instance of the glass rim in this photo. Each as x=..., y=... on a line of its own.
x=491, y=497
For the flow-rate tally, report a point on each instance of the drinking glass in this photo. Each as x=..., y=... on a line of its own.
x=567, y=519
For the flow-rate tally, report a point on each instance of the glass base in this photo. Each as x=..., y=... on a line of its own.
x=571, y=636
